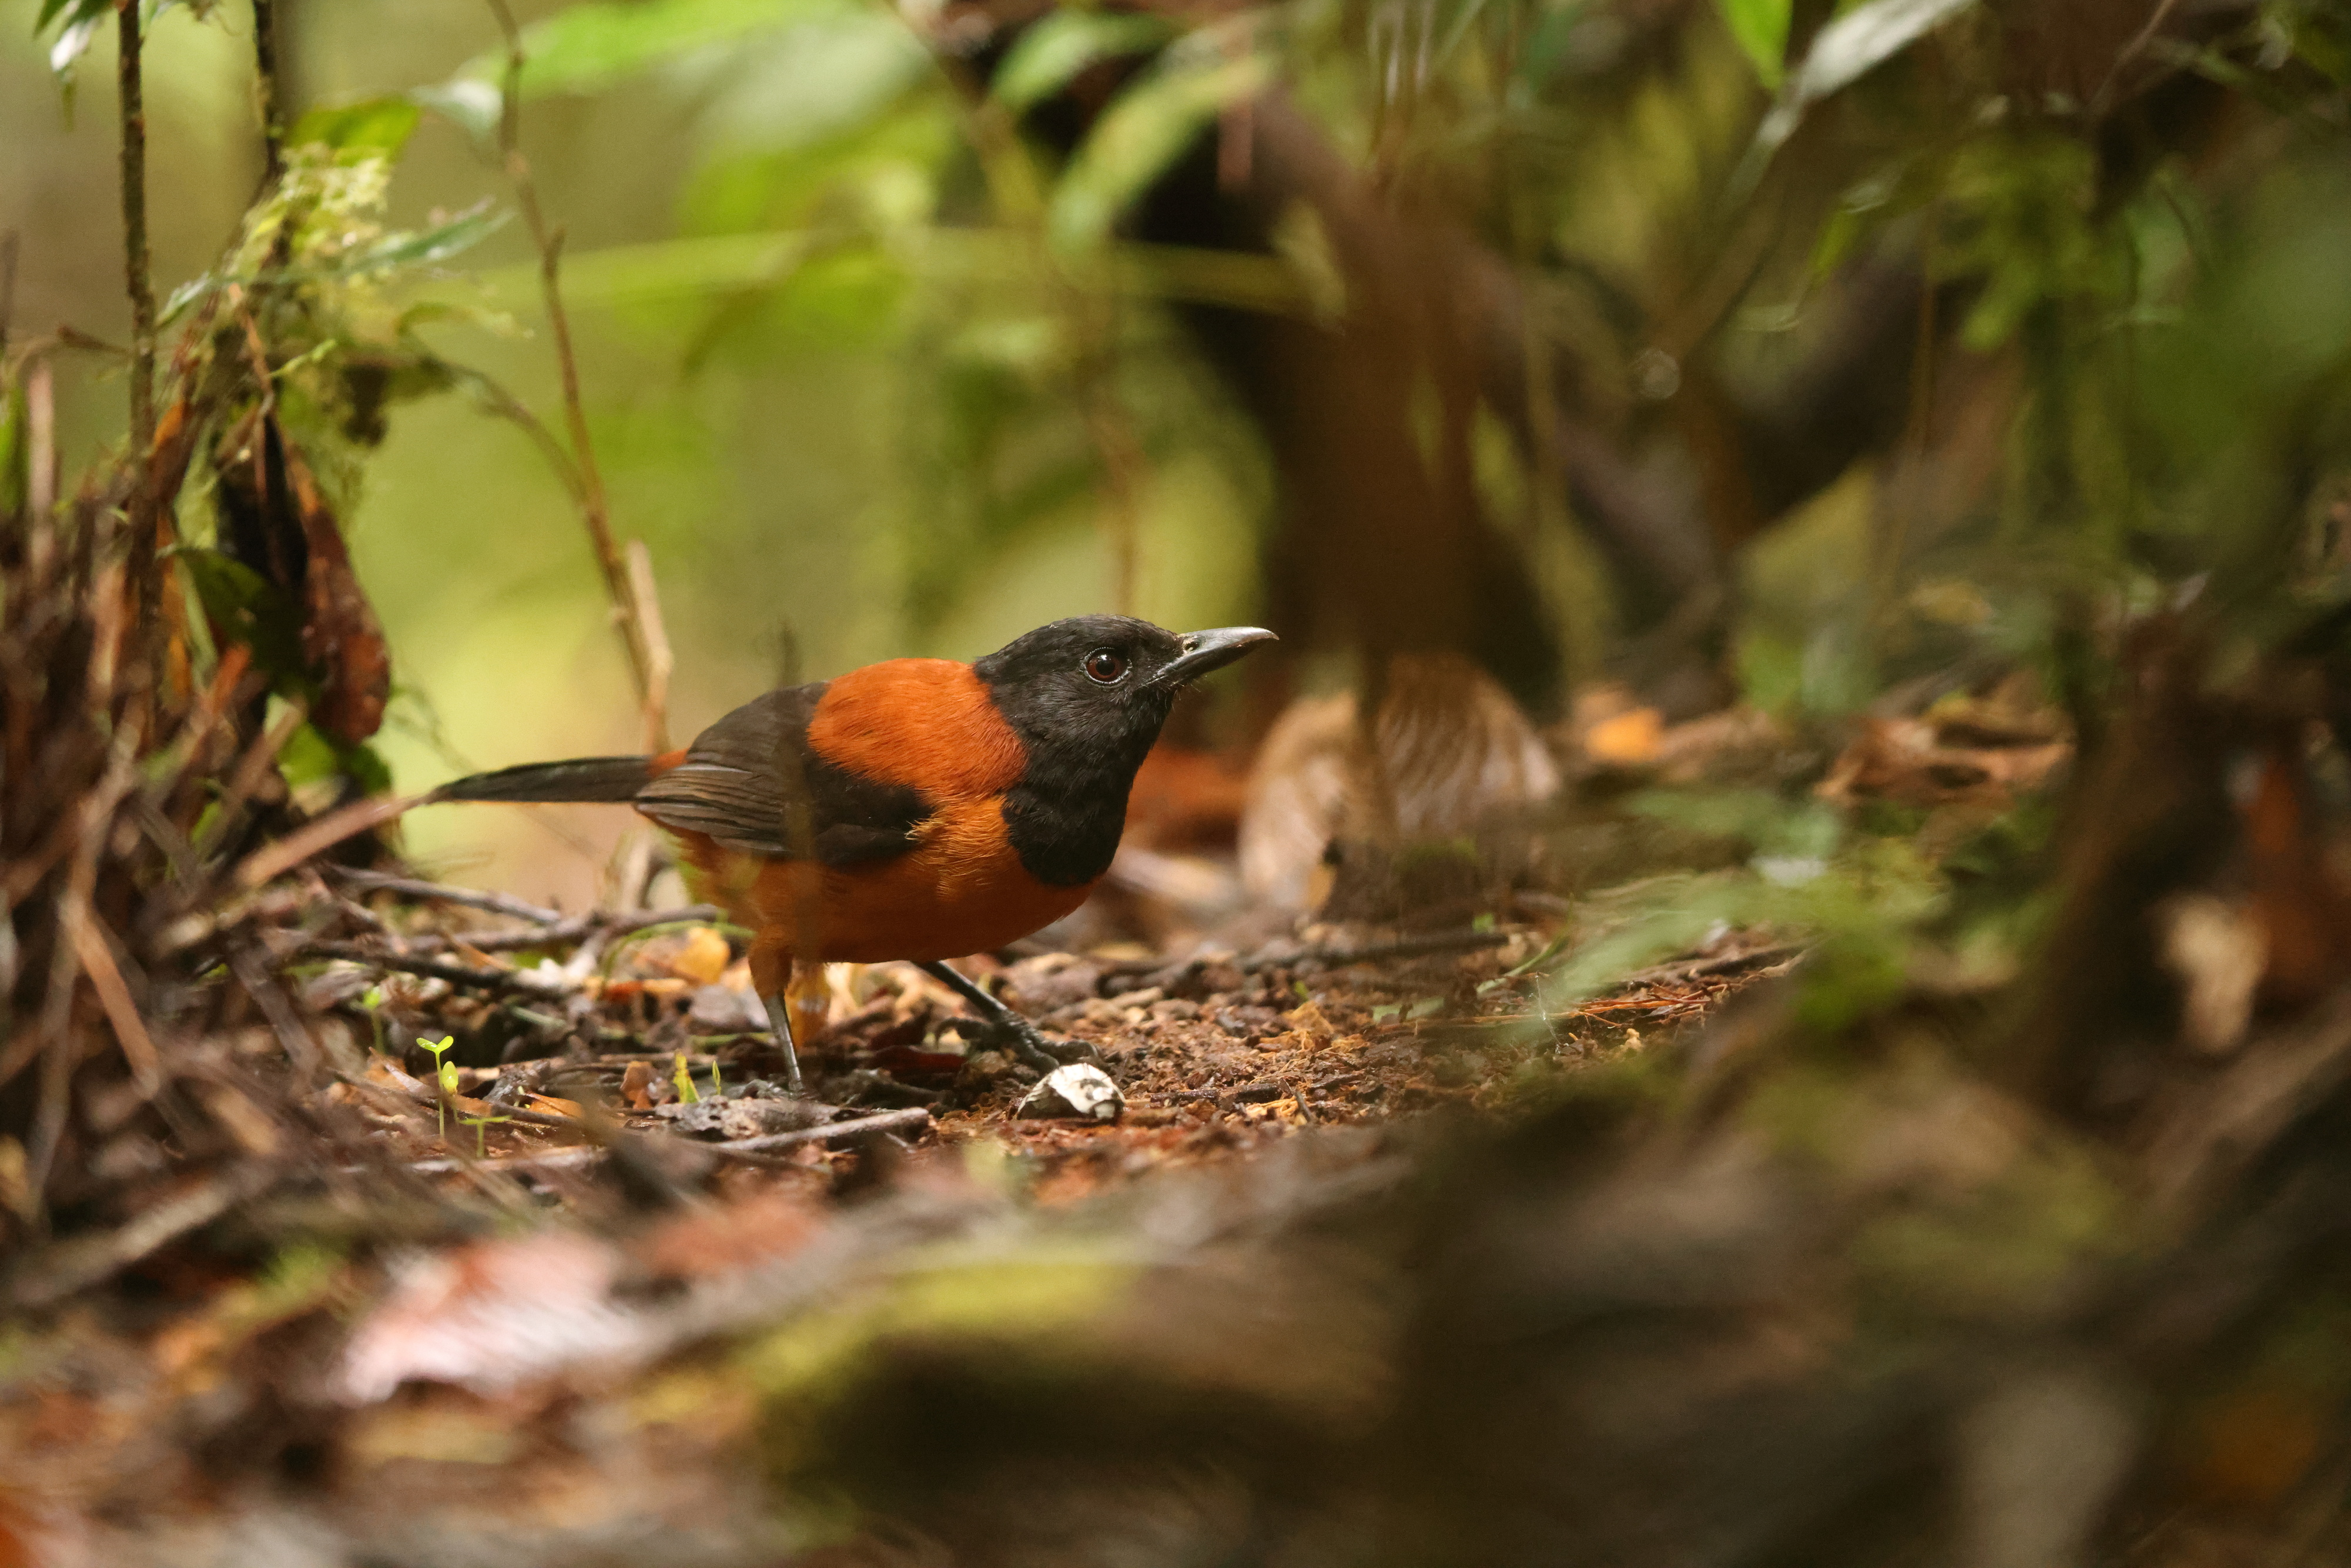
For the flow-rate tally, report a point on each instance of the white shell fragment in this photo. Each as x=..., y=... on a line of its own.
x=1084, y=1092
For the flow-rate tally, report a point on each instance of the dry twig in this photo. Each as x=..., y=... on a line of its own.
x=629, y=610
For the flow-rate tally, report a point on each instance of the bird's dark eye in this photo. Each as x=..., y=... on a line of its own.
x=1106, y=666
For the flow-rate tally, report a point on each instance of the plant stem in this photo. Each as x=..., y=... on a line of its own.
x=272, y=110
x=141, y=285
x=627, y=613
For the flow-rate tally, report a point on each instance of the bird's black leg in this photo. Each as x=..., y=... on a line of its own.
x=779, y=1022
x=1003, y=1023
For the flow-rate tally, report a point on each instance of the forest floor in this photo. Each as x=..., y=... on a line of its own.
x=1214, y=1054
x=533, y=1318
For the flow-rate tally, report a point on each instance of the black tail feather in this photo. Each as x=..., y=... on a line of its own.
x=580, y=779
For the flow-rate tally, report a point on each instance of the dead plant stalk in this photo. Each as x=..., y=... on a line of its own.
x=144, y=504
x=647, y=663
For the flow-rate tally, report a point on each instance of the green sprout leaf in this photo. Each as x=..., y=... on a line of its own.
x=481, y=1126
x=447, y=1078
x=686, y=1092
x=1762, y=28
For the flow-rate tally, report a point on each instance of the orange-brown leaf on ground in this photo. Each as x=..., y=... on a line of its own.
x=341, y=637
x=637, y=1086
x=710, y=1243
x=1628, y=737
x=701, y=956
x=1613, y=729
x=1311, y=1024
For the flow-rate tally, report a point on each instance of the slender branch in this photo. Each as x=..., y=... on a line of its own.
x=272, y=110
x=645, y=597
x=470, y=898
x=141, y=290
x=525, y=982
x=627, y=613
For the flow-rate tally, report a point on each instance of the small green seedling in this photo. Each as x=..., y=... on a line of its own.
x=448, y=1080
x=686, y=1092
x=372, y=1003
x=480, y=1124
x=717, y=1091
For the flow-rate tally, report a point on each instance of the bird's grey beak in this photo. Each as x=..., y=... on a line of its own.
x=1206, y=651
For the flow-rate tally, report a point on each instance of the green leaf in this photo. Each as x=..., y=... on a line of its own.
x=308, y=758
x=407, y=248
x=312, y=757
x=471, y=105
x=1065, y=43
x=82, y=19
x=75, y=14
x=426, y=248
x=1762, y=28
x=246, y=607
x=585, y=47
x=375, y=126
x=1146, y=128
x=823, y=78
x=1845, y=50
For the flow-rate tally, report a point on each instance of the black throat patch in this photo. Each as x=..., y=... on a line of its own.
x=1084, y=741
x=1065, y=815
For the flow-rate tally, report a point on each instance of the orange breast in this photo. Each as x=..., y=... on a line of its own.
x=929, y=723
x=961, y=890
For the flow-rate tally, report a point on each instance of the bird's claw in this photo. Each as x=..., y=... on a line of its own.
x=1023, y=1041
x=1026, y=1044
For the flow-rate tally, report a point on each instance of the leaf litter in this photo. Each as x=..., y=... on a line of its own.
x=565, y=1186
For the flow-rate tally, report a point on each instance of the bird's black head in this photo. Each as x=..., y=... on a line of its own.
x=1087, y=698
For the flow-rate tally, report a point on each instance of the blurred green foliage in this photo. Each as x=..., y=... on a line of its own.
x=842, y=326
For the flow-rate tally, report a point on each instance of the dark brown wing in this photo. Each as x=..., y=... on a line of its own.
x=732, y=785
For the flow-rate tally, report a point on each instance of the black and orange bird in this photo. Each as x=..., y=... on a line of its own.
x=916, y=808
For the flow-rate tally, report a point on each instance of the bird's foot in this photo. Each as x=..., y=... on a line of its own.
x=1023, y=1041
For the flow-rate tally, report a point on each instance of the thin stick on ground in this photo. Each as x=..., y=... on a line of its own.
x=750, y=1151
x=467, y=897
x=628, y=612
